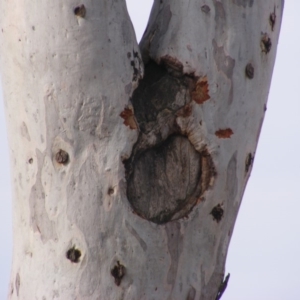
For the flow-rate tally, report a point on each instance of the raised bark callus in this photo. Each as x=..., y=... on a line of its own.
x=127, y=188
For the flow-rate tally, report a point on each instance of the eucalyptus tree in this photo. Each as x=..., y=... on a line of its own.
x=129, y=161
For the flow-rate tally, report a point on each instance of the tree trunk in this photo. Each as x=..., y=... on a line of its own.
x=129, y=163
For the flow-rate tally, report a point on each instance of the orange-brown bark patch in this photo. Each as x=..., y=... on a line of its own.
x=129, y=119
x=224, y=133
x=200, y=93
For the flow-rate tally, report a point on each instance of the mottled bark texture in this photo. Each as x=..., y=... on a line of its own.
x=129, y=162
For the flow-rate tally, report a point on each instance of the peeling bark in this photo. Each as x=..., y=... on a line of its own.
x=129, y=162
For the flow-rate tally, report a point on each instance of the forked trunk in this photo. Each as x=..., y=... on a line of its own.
x=129, y=163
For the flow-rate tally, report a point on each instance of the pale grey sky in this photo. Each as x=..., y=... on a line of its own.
x=264, y=253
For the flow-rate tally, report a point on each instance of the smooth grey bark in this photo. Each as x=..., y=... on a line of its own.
x=129, y=163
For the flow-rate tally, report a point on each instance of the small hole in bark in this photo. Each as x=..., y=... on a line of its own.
x=217, y=213
x=73, y=255
x=249, y=162
x=30, y=160
x=249, y=71
x=80, y=11
x=62, y=157
x=111, y=191
x=118, y=273
x=266, y=43
x=205, y=8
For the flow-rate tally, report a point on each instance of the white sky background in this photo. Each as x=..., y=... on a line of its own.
x=264, y=255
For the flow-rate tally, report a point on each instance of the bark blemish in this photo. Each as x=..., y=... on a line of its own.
x=217, y=213
x=265, y=43
x=111, y=191
x=136, y=235
x=18, y=283
x=80, y=11
x=249, y=70
x=89, y=112
x=24, y=131
x=200, y=93
x=135, y=71
x=30, y=160
x=232, y=180
x=205, y=8
x=224, y=133
x=73, y=255
x=62, y=157
x=208, y=171
x=249, y=162
x=192, y=294
x=129, y=120
x=136, y=64
x=272, y=19
x=224, y=62
x=175, y=245
x=118, y=272
x=11, y=288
